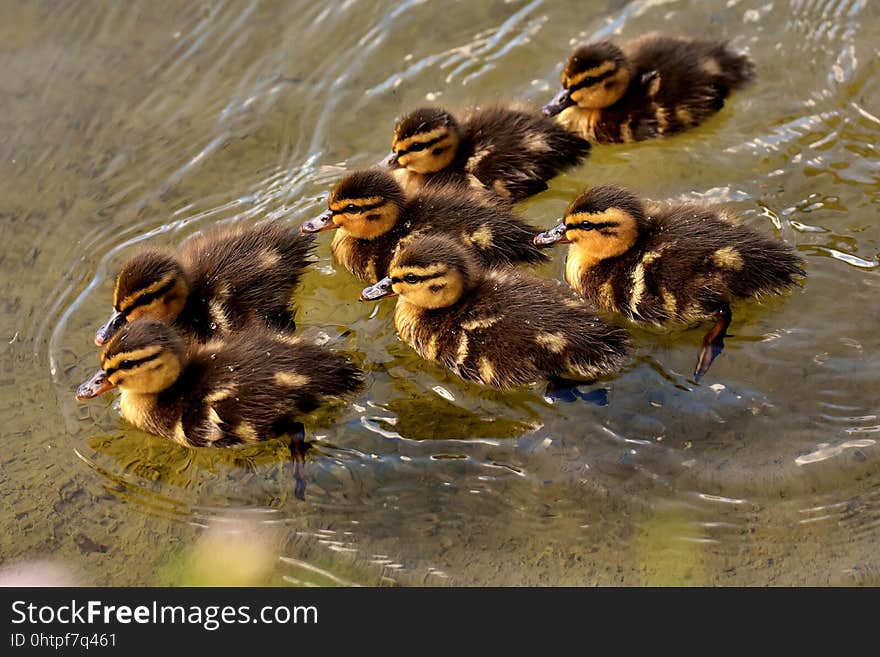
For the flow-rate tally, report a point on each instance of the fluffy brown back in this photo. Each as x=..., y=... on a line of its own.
x=515, y=152
x=254, y=385
x=243, y=275
x=695, y=74
x=497, y=234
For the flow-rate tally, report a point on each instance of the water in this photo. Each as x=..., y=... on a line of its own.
x=146, y=121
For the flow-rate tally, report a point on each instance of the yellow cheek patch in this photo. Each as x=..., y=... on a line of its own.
x=592, y=246
x=113, y=361
x=128, y=301
x=604, y=67
x=151, y=309
x=358, y=226
x=432, y=159
x=291, y=379
x=421, y=137
x=728, y=257
x=555, y=342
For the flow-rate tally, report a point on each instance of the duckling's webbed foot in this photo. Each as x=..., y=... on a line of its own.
x=566, y=390
x=713, y=341
x=298, y=448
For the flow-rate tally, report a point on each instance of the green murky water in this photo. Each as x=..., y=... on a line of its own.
x=146, y=121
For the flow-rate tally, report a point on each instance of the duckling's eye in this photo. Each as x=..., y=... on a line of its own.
x=411, y=279
x=417, y=147
x=124, y=365
x=351, y=207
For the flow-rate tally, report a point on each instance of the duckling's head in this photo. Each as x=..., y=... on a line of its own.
x=152, y=285
x=425, y=141
x=605, y=221
x=433, y=271
x=144, y=356
x=595, y=76
x=365, y=204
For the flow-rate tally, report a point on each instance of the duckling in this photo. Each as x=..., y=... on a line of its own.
x=373, y=216
x=679, y=263
x=652, y=87
x=215, y=283
x=511, y=152
x=494, y=326
x=245, y=388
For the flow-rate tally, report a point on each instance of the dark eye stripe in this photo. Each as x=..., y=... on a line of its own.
x=422, y=145
x=360, y=208
x=588, y=82
x=145, y=299
x=129, y=364
x=419, y=279
x=589, y=225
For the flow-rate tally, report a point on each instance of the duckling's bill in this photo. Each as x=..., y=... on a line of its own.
x=97, y=385
x=116, y=321
x=559, y=102
x=555, y=235
x=378, y=291
x=323, y=221
x=390, y=161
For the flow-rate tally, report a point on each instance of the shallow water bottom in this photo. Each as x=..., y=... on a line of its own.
x=145, y=122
